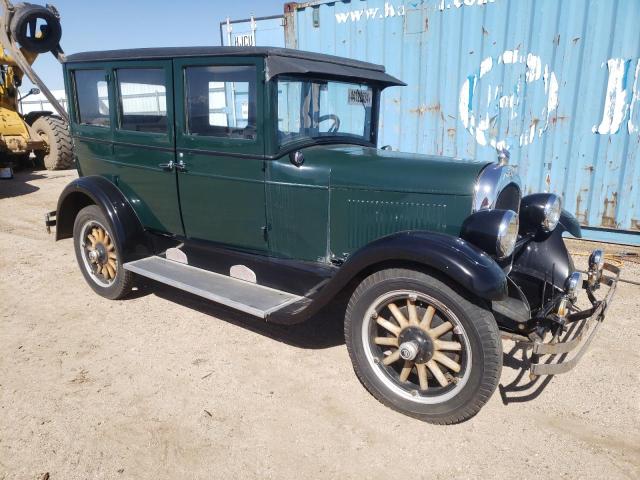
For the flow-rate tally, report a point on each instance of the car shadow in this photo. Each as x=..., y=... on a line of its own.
x=524, y=387
x=323, y=330
x=18, y=185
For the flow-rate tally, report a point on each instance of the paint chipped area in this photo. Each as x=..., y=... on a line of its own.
x=633, y=125
x=499, y=98
x=615, y=101
x=621, y=98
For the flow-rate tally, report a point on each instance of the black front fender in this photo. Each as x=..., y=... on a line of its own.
x=95, y=190
x=570, y=224
x=454, y=258
x=544, y=260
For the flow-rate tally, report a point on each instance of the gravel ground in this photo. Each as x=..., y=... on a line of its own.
x=165, y=385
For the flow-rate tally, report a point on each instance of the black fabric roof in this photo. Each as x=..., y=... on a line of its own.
x=279, y=60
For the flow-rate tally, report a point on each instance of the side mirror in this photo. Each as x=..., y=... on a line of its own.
x=296, y=158
x=34, y=91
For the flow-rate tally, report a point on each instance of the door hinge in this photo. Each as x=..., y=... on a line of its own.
x=265, y=230
x=338, y=261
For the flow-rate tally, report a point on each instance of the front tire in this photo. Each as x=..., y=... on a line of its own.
x=421, y=347
x=98, y=254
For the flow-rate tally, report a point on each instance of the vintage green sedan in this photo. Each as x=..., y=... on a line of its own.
x=252, y=177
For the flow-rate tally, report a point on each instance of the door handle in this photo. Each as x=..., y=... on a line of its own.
x=167, y=166
x=181, y=166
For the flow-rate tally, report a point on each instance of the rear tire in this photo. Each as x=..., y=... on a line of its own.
x=55, y=132
x=103, y=268
x=421, y=347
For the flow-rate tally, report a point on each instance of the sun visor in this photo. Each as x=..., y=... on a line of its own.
x=277, y=65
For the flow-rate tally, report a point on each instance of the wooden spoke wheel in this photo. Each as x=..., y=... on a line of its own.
x=421, y=346
x=417, y=346
x=99, y=250
x=99, y=255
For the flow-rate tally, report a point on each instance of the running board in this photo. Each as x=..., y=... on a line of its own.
x=247, y=297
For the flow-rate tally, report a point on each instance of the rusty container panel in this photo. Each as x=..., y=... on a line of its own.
x=557, y=83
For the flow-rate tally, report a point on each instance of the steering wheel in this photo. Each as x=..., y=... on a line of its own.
x=336, y=122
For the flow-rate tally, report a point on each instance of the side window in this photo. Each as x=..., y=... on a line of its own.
x=143, y=99
x=92, y=97
x=221, y=101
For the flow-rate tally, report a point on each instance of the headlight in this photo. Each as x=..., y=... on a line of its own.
x=507, y=234
x=494, y=231
x=552, y=211
x=572, y=283
x=540, y=211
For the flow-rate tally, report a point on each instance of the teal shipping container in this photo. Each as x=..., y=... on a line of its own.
x=557, y=83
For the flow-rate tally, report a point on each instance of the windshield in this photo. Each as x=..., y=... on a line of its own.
x=309, y=108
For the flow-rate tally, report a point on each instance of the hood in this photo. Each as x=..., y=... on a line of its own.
x=358, y=167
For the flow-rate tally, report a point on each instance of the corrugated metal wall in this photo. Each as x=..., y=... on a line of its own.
x=556, y=82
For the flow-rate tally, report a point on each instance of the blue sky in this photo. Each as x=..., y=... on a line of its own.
x=105, y=25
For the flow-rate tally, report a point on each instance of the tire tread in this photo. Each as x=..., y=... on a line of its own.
x=60, y=154
x=488, y=333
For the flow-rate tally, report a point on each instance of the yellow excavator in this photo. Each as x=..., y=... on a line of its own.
x=26, y=31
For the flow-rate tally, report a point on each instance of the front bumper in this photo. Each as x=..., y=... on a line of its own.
x=581, y=328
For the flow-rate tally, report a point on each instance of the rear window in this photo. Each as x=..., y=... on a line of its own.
x=92, y=97
x=221, y=101
x=143, y=99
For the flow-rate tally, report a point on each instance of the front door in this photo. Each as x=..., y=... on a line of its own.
x=220, y=151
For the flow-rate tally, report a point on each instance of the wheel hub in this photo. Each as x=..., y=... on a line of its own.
x=416, y=345
x=99, y=254
x=93, y=256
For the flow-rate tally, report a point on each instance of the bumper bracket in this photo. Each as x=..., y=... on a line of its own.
x=584, y=326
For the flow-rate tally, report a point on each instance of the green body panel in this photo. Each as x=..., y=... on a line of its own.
x=360, y=216
x=243, y=193
x=298, y=209
x=359, y=167
x=222, y=195
x=345, y=196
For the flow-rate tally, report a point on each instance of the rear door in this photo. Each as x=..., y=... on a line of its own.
x=220, y=150
x=91, y=118
x=144, y=142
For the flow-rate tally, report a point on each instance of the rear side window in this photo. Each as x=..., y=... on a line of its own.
x=143, y=99
x=221, y=101
x=92, y=97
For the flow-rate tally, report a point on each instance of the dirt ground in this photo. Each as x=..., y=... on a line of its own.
x=165, y=385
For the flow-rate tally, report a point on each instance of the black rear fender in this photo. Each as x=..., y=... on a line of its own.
x=95, y=190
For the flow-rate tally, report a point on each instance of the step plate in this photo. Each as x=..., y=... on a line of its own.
x=244, y=296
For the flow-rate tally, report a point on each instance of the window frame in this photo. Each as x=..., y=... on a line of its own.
x=97, y=132
x=350, y=137
x=77, y=117
x=150, y=139
x=275, y=149
x=238, y=147
x=120, y=106
x=187, y=103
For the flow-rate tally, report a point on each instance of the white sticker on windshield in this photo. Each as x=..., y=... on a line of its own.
x=359, y=97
